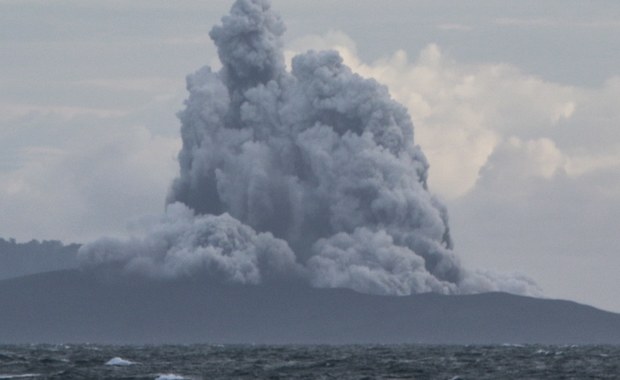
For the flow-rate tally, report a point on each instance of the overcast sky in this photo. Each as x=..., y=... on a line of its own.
x=516, y=105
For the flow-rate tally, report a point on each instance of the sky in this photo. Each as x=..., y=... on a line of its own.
x=515, y=104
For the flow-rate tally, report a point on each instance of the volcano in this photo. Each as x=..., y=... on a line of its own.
x=76, y=307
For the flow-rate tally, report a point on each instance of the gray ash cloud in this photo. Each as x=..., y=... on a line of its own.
x=311, y=174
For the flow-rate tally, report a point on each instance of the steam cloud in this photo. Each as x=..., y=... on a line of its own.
x=310, y=174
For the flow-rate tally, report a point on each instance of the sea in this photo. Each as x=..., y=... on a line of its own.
x=176, y=362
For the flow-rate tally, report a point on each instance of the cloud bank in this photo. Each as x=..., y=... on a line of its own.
x=311, y=174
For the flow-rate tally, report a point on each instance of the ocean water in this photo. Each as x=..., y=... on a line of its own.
x=173, y=362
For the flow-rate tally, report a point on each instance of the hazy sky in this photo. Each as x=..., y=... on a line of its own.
x=516, y=105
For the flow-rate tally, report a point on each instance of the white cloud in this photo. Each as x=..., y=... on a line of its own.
x=549, y=22
x=454, y=27
x=12, y=111
x=462, y=112
x=146, y=84
x=94, y=182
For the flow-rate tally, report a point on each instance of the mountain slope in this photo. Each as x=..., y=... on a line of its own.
x=74, y=306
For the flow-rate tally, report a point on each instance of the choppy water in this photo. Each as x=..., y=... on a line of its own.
x=309, y=362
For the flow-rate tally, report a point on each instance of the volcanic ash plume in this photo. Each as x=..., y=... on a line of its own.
x=311, y=174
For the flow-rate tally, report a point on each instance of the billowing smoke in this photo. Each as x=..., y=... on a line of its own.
x=310, y=174
x=183, y=243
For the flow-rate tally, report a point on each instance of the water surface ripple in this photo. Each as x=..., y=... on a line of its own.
x=309, y=362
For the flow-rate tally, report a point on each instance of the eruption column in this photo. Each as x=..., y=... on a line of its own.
x=311, y=174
